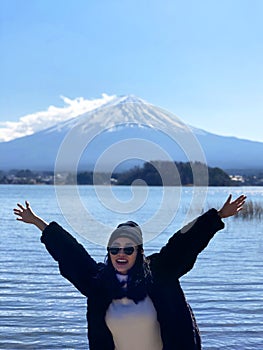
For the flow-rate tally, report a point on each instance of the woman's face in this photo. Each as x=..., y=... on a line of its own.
x=123, y=262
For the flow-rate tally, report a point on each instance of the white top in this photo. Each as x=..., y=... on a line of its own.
x=134, y=326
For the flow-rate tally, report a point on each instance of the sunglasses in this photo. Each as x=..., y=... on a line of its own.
x=126, y=250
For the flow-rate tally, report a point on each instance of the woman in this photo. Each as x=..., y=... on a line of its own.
x=135, y=302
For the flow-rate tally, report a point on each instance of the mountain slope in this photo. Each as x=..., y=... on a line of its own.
x=119, y=122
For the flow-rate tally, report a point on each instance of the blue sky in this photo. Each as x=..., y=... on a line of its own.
x=202, y=60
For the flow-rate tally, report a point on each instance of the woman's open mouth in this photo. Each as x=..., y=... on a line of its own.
x=121, y=261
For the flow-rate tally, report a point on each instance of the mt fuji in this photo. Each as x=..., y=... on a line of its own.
x=123, y=132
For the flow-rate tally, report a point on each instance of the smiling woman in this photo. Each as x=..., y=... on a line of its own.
x=124, y=258
x=135, y=302
x=125, y=243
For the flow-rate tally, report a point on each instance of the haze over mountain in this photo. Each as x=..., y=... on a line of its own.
x=123, y=132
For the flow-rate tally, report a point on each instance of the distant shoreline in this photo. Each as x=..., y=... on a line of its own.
x=54, y=185
x=155, y=173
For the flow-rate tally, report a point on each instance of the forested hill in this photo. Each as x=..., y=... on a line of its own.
x=174, y=174
x=160, y=173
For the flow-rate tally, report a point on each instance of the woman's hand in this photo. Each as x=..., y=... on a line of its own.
x=26, y=215
x=231, y=208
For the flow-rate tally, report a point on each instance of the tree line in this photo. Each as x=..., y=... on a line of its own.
x=157, y=173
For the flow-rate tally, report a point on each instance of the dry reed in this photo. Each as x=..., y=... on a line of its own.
x=251, y=210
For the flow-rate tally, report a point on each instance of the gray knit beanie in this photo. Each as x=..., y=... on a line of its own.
x=127, y=229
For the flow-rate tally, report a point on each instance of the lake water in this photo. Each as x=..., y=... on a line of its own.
x=41, y=310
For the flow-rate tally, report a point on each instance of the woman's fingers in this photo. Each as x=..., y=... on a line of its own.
x=21, y=209
x=20, y=206
x=241, y=200
x=17, y=212
x=229, y=198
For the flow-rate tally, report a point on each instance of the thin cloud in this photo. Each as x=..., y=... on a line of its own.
x=32, y=123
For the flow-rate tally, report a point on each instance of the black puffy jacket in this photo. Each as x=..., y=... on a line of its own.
x=178, y=327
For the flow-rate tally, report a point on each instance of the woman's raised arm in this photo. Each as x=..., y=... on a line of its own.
x=179, y=254
x=74, y=262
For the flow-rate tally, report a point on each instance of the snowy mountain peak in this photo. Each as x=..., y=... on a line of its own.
x=131, y=99
x=129, y=109
x=122, y=110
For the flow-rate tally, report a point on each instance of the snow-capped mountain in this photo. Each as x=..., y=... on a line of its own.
x=126, y=130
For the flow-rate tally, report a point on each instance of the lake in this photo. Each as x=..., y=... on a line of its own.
x=41, y=310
